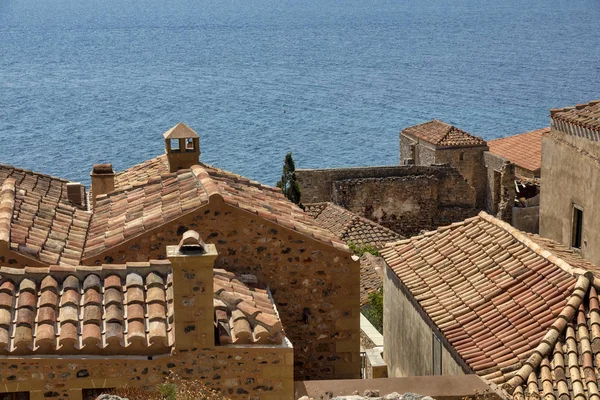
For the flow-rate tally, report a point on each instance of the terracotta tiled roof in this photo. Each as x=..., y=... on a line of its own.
x=140, y=173
x=265, y=201
x=109, y=309
x=350, y=227
x=582, y=115
x=442, y=134
x=121, y=215
x=523, y=150
x=236, y=190
x=43, y=223
x=566, y=364
x=371, y=271
x=492, y=291
x=244, y=311
x=121, y=310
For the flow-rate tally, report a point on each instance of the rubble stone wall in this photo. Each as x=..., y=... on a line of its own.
x=470, y=163
x=237, y=372
x=409, y=204
x=315, y=286
x=406, y=199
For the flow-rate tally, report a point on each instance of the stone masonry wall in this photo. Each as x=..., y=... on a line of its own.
x=433, y=197
x=471, y=167
x=500, y=188
x=317, y=184
x=315, y=286
x=238, y=372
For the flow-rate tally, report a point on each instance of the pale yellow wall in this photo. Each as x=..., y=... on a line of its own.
x=407, y=337
x=570, y=175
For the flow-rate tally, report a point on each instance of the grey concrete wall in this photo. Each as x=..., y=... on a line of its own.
x=570, y=175
x=407, y=337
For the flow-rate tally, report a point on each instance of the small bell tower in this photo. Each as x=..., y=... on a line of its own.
x=182, y=146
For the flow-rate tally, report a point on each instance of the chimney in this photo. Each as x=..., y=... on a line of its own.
x=103, y=180
x=76, y=194
x=182, y=146
x=192, y=262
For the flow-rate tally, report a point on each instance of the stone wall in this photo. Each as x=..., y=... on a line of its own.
x=570, y=176
x=408, y=338
x=424, y=152
x=470, y=163
x=500, y=186
x=424, y=200
x=317, y=184
x=239, y=372
x=315, y=286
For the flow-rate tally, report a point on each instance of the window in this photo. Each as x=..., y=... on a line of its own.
x=437, y=355
x=189, y=144
x=14, y=396
x=577, y=227
x=175, y=145
x=91, y=394
x=461, y=156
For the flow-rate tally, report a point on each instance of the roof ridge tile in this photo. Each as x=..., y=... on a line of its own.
x=550, y=339
x=7, y=205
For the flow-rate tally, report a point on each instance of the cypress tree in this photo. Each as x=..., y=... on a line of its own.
x=288, y=183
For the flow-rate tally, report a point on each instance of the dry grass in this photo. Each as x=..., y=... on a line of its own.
x=174, y=388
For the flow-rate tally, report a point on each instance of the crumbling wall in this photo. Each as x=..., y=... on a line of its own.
x=500, y=187
x=469, y=161
x=423, y=200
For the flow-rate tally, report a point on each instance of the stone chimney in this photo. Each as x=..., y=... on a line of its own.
x=192, y=262
x=103, y=180
x=76, y=194
x=182, y=146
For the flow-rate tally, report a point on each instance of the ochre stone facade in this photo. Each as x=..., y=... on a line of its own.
x=243, y=372
x=315, y=287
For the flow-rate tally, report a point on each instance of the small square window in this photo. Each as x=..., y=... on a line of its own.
x=189, y=144
x=175, y=145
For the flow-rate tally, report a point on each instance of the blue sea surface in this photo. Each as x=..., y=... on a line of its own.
x=333, y=81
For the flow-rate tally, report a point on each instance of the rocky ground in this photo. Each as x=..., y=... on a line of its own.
x=372, y=395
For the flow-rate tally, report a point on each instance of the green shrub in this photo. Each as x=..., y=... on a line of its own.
x=360, y=250
x=374, y=310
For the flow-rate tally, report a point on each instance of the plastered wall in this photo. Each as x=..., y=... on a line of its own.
x=570, y=175
x=407, y=337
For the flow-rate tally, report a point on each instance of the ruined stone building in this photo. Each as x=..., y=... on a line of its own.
x=514, y=166
x=445, y=175
x=436, y=142
x=134, y=215
x=570, y=192
x=481, y=297
x=405, y=199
